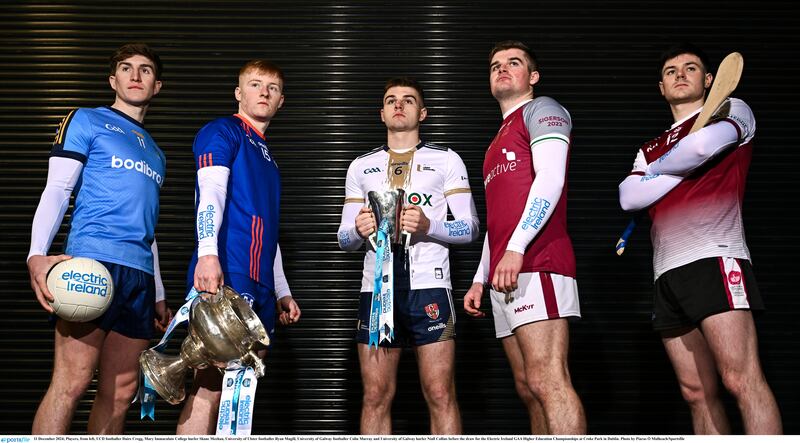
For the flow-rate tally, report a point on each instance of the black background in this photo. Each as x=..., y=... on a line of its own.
x=597, y=58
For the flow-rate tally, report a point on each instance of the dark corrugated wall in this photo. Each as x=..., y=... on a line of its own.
x=597, y=58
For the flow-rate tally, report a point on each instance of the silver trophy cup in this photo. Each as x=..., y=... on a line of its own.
x=388, y=205
x=222, y=330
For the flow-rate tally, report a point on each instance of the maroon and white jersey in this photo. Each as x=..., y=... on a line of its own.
x=702, y=216
x=507, y=176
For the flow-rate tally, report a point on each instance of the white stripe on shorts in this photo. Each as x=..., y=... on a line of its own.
x=539, y=296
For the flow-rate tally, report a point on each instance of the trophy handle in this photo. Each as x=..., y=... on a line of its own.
x=406, y=239
x=373, y=240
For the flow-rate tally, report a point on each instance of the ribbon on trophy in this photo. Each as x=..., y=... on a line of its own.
x=381, y=318
x=237, y=400
x=146, y=392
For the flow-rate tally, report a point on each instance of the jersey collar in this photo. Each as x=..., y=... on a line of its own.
x=245, y=121
x=125, y=116
x=517, y=106
x=419, y=146
x=680, y=122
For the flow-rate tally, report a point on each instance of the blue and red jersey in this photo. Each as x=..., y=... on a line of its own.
x=248, y=235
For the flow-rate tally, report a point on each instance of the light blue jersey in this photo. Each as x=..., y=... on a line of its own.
x=116, y=198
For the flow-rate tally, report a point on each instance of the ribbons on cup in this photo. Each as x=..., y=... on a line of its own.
x=381, y=318
x=224, y=332
x=237, y=400
x=146, y=392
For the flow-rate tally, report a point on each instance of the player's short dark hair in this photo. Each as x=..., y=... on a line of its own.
x=680, y=49
x=263, y=66
x=533, y=61
x=128, y=50
x=407, y=82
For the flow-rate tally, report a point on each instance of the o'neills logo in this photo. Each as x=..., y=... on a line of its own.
x=735, y=277
x=522, y=308
x=435, y=327
x=139, y=166
x=85, y=283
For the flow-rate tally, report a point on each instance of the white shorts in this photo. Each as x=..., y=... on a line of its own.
x=539, y=296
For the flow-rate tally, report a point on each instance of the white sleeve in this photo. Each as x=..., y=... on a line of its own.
x=464, y=228
x=482, y=274
x=549, y=158
x=696, y=149
x=639, y=191
x=212, y=184
x=349, y=240
x=281, y=284
x=62, y=175
x=160, y=292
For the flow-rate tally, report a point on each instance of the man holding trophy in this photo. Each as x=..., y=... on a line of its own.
x=397, y=196
x=238, y=198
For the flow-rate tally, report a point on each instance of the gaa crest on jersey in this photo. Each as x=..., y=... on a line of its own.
x=432, y=310
x=505, y=127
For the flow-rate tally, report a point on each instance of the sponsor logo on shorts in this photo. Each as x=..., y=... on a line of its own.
x=735, y=277
x=523, y=308
x=436, y=327
x=432, y=310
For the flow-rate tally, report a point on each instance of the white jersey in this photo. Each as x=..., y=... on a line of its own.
x=432, y=176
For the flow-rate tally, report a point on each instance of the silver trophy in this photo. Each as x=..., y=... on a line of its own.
x=223, y=330
x=388, y=205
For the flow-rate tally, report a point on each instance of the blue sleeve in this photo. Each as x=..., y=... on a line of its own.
x=74, y=136
x=216, y=144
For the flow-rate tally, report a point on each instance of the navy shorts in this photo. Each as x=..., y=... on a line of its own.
x=132, y=309
x=686, y=295
x=421, y=316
